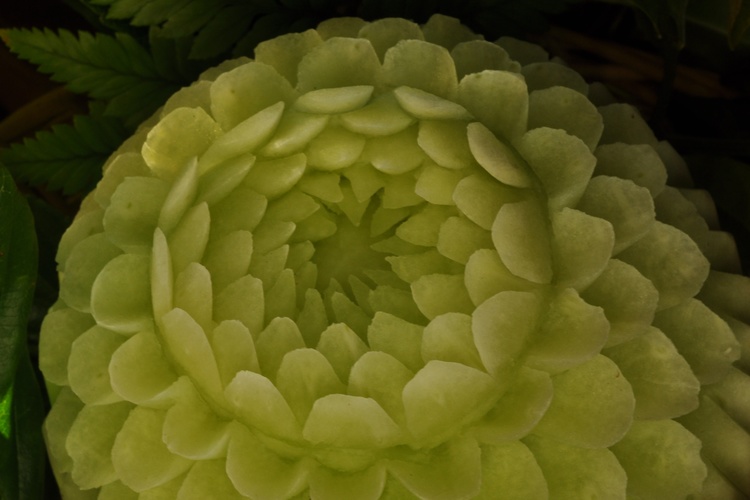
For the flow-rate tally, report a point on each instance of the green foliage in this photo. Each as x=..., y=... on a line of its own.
x=224, y=30
x=215, y=25
x=234, y=27
x=127, y=81
x=21, y=446
x=69, y=157
x=117, y=69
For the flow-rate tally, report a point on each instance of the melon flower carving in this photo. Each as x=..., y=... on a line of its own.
x=384, y=260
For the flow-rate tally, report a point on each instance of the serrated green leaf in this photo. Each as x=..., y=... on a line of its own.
x=138, y=103
x=157, y=11
x=20, y=465
x=191, y=17
x=224, y=30
x=68, y=157
x=171, y=56
x=94, y=12
x=105, y=67
x=125, y=9
x=216, y=25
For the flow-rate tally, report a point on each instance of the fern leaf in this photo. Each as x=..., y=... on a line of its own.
x=158, y=11
x=106, y=68
x=125, y=9
x=69, y=157
x=192, y=17
x=217, y=25
x=183, y=17
x=224, y=30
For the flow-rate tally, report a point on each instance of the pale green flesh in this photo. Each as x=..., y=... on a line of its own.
x=356, y=281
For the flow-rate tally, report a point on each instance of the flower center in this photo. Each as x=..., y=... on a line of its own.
x=348, y=252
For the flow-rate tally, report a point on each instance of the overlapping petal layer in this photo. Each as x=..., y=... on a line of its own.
x=392, y=261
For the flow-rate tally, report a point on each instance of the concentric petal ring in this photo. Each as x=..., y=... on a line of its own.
x=385, y=260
